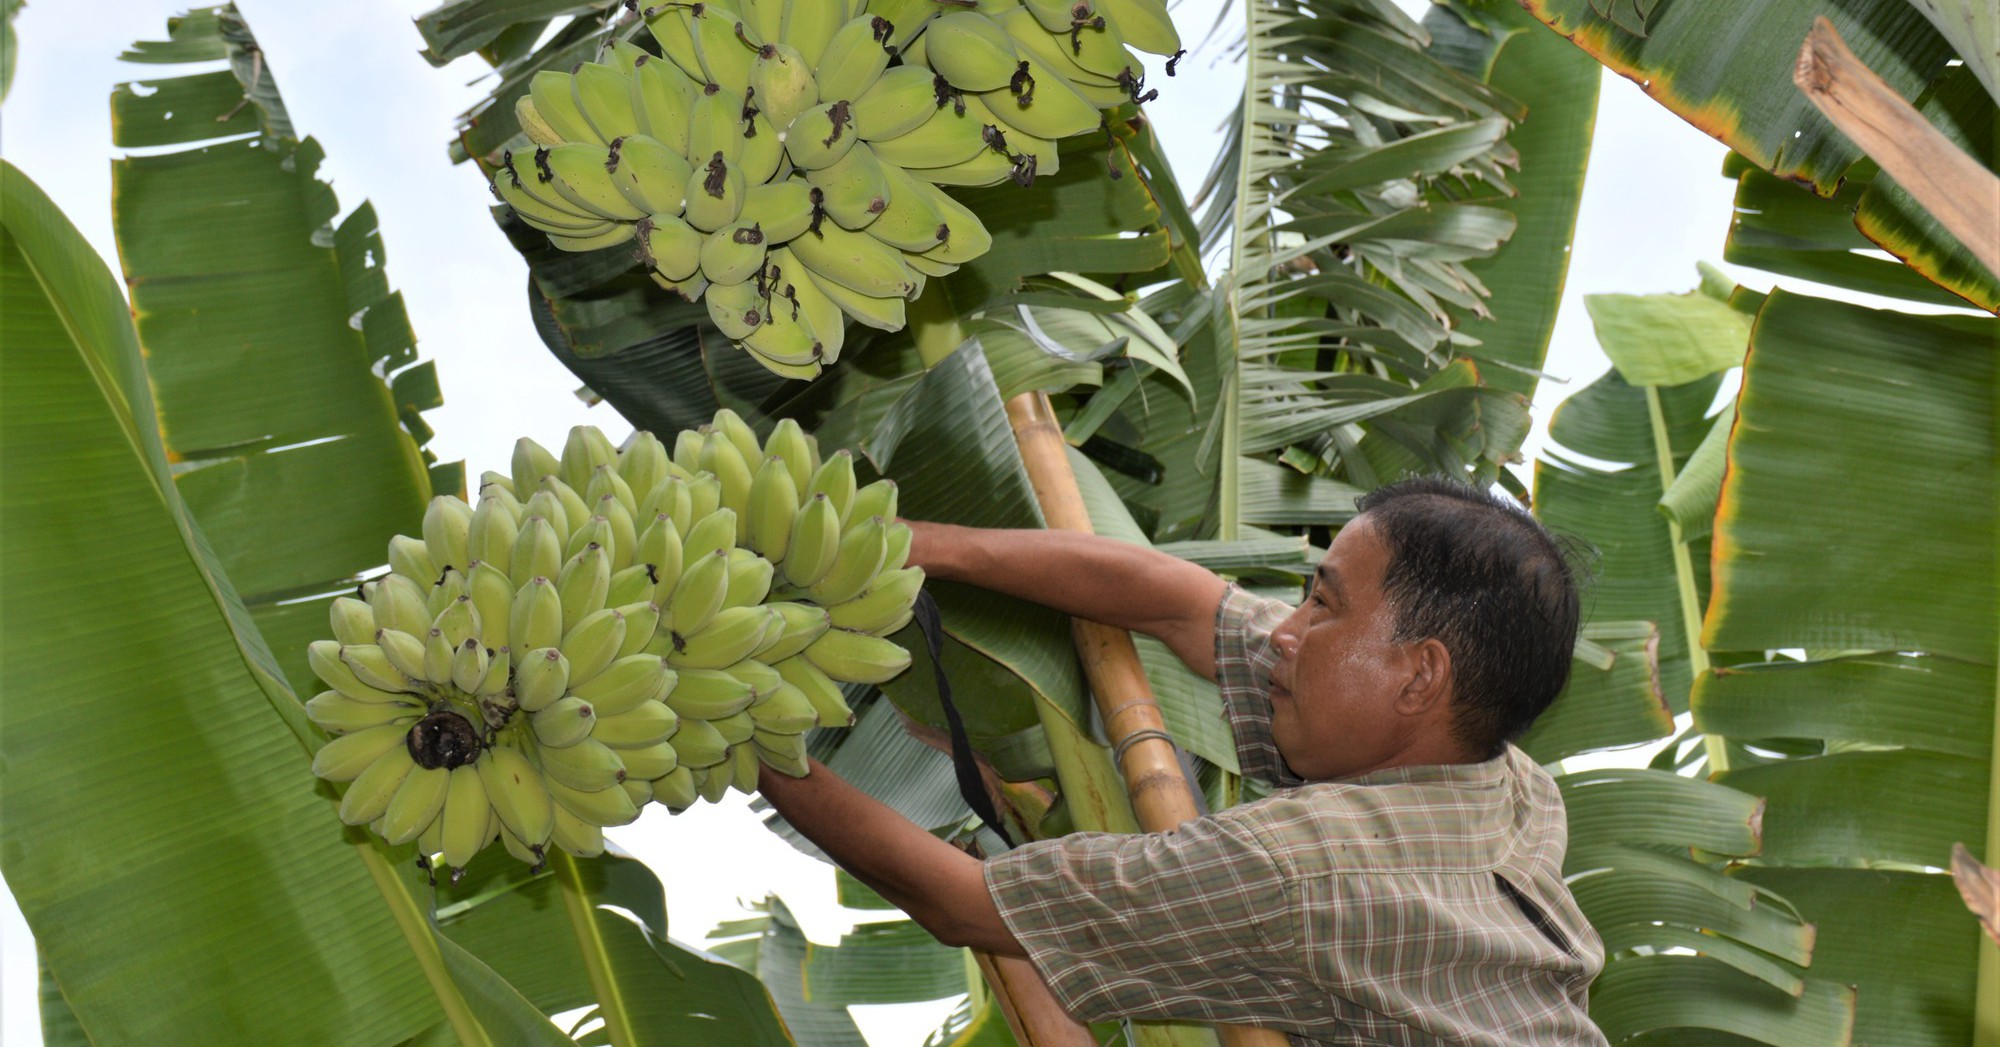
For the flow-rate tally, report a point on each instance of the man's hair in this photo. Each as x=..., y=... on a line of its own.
x=1480, y=574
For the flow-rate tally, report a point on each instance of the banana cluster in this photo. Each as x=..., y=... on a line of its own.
x=540, y=667
x=784, y=160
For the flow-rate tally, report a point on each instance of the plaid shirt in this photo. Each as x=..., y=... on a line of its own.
x=1416, y=905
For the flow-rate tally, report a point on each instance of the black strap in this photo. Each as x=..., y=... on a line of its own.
x=970, y=786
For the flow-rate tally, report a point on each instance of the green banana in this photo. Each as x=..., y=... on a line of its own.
x=548, y=218
x=489, y=542
x=715, y=193
x=862, y=547
x=732, y=253
x=467, y=818
x=744, y=761
x=324, y=656
x=782, y=83
x=582, y=585
x=1145, y=24
x=469, y=663
x=766, y=20
x=912, y=221
x=555, y=105
x=518, y=794
x=810, y=24
x=785, y=338
x=593, y=644
x=416, y=804
x=626, y=684
x=774, y=502
x=564, y=723
x=791, y=280
x=531, y=462
x=642, y=622
x=532, y=123
x=663, y=99
x=728, y=638
x=737, y=309
x=722, y=43
x=854, y=57
x=820, y=689
x=951, y=134
x=630, y=585
x=856, y=261
x=650, y=174
x=340, y=714
x=699, y=595
x=699, y=744
x=602, y=806
x=369, y=795
x=581, y=173
x=835, y=479
x=646, y=763
x=660, y=546
x=717, y=530
x=856, y=657
x=645, y=724
x=750, y=578
x=705, y=694
x=617, y=234
x=1042, y=103
x=585, y=448
x=783, y=208
x=399, y=604
x=672, y=25
x=689, y=290
x=884, y=607
x=603, y=94
x=585, y=766
x=786, y=710
x=789, y=441
x=876, y=499
x=411, y=558
x=535, y=619
x=670, y=245
x=735, y=729
x=899, y=102
x=971, y=50
x=966, y=237
x=815, y=542
x=988, y=168
x=761, y=678
x=821, y=135
x=907, y=19
x=345, y=757
x=782, y=753
x=372, y=667
x=883, y=313
x=541, y=678
x=717, y=124
x=676, y=789
x=720, y=457
x=800, y=624
x=537, y=550
x=763, y=151
x=855, y=189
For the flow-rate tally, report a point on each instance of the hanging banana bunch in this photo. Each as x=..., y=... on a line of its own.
x=607, y=629
x=785, y=160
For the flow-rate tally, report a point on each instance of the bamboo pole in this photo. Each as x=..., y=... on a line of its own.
x=1161, y=794
x=1955, y=188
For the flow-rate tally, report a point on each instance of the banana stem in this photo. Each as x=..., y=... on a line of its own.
x=934, y=323
x=1160, y=792
x=590, y=942
x=1690, y=598
x=417, y=930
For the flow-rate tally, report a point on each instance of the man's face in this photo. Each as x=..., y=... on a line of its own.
x=1338, y=671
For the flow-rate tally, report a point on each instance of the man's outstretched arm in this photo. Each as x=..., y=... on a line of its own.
x=1085, y=576
x=938, y=885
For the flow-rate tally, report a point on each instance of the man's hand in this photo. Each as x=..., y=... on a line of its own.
x=1086, y=576
x=938, y=885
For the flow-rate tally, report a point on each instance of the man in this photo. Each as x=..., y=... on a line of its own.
x=1402, y=885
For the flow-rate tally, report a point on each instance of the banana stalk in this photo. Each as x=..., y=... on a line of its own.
x=1161, y=795
x=1032, y=1012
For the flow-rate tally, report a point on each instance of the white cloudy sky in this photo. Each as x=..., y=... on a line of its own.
x=1653, y=205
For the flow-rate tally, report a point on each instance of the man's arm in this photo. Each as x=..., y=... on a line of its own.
x=1085, y=576
x=938, y=885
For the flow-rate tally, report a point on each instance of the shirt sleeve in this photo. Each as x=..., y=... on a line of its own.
x=1189, y=924
x=1243, y=658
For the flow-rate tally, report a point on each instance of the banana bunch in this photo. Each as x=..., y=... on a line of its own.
x=605, y=629
x=783, y=160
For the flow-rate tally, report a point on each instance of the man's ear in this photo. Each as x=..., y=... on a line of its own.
x=1429, y=684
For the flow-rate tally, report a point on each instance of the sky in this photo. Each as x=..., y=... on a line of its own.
x=1653, y=205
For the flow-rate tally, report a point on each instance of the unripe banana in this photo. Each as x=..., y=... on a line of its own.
x=722, y=43
x=538, y=550
x=536, y=617
x=399, y=604
x=773, y=504
x=736, y=728
x=583, y=584
x=340, y=714
x=728, y=638
x=690, y=290
x=715, y=192
x=324, y=656
x=856, y=657
x=372, y=666
x=411, y=558
x=584, y=450
x=856, y=261
x=345, y=757
x=633, y=584
x=555, y=105
x=737, y=309
x=855, y=189
x=876, y=499
x=586, y=766
x=653, y=177
x=1042, y=103
x=731, y=254
x=750, y=579
x=457, y=623
x=965, y=238
x=603, y=94
x=912, y=221
x=815, y=541
x=647, y=723
x=663, y=99
x=499, y=671
x=810, y=24
x=564, y=723
x=643, y=464
x=660, y=546
x=763, y=151
x=835, y=479
x=533, y=125
x=862, y=548
x=743, y=760
x=885, y=314
x=531, y=462
x=466, y=817
x=783, y=82
x=670, y=245
x=950, y=134
x=416, y=804
x=581, y=174
x=854, y=57
x=714, y=781
x=517, y=793
x=640, y=790
x=574, y=512
x=884, y=608
x=670, y=498
x=717, y=123
x=438, y=657
x=676, y=789
x=900, y=101
x=450, y=586
x=989, y=167
x=761, y=678
x=534, y=856
x=468, y=666
x=820, y=689
x=783, y=208
x=787, y=759
x=1144, y=24
x=594, y=808
x=626, y=684
x=971, y=50
x=785, y=710
x=705, y=694
x=542, y=677
x=371, y=791
x=800, y=624
x=593, y=644
x=649, y=762
x=642, y=621
x=490, y=540
x=821, y=135
x=786, y=342
x=704, y=497
x=699, y=744
x=907, y=19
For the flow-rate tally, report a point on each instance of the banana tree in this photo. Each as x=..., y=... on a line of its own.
x=236, y=266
